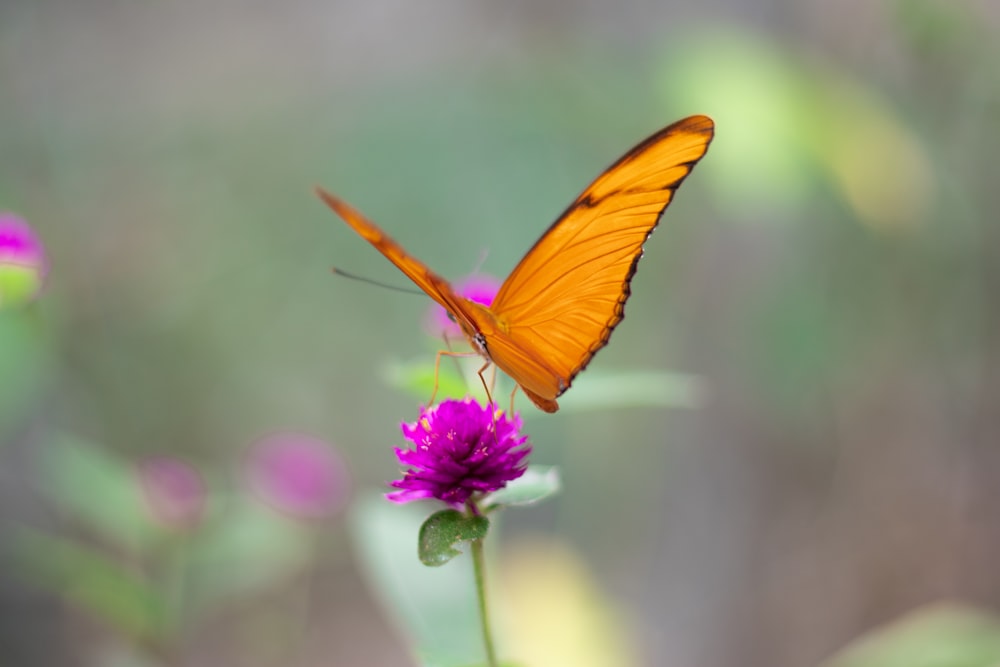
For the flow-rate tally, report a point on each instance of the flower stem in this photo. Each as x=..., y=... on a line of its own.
x=479, y=566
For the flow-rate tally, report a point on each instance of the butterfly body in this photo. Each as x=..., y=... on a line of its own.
x=560, y=304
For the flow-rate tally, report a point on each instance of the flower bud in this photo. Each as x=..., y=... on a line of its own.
x=23, y=264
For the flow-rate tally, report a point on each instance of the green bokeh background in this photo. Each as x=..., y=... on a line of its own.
x=818, y=312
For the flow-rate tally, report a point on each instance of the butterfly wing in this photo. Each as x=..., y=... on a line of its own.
x=562, y=301
x=464, y=311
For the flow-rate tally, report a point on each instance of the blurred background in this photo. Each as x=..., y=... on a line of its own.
x=792, y=440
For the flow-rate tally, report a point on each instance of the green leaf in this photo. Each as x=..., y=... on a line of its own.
x=625, y=389
x=25, y=364
x=97, y=489
x=938, y=635
x=434, y=606
x=536, y=484
x=444, y=530
x=248, y=550
x=417, y=378
x=94, y=583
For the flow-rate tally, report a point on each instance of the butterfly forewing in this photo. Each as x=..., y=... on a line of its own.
x=434, y=285
x=562, y=301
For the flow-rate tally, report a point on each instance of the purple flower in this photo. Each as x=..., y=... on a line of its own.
x=174, y=491
x=23, y=265
x=480, y=288
x=457, y=455
x=298, y=474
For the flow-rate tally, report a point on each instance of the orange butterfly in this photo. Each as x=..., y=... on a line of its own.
x=560, y=304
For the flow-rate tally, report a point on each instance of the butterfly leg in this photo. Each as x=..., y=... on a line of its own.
x=482, y=378
x=489, y=395
x=437, y=368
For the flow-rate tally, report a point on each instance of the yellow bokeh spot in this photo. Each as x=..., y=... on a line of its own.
x=554, y=613
x=881, y=168
x=790, y=125
x=18, y=284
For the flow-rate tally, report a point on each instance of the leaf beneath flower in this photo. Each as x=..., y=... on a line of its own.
x=418, y=379
x=443, y=531
x=536, y=484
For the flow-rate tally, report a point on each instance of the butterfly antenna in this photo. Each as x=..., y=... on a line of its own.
x=353, y=276
x=483, y=256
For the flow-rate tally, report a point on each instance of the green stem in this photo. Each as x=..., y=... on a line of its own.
x=479, y=566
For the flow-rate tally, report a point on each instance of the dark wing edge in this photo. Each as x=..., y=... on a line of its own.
x=591, y=198
x=697, y=124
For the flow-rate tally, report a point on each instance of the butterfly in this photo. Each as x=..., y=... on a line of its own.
x=561, y=302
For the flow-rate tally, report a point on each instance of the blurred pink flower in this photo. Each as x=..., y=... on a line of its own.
x=174, y=491
x=480, y=288
x=298, y=474
x=23, y=264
